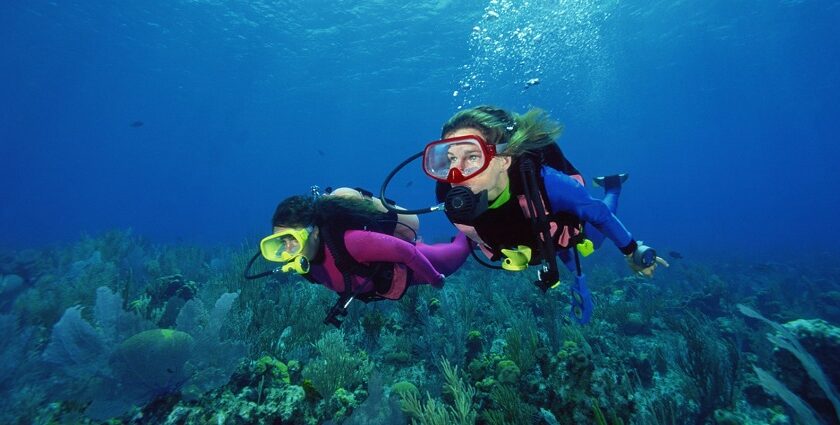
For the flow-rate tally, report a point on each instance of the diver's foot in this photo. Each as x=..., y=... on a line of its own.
x=611, y=182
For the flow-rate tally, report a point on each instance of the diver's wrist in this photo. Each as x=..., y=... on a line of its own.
x=630, y=248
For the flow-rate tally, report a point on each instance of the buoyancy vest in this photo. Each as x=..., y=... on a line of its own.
x=509, y=225
x=390, y=280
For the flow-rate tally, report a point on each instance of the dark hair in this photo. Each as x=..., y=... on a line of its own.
x=525, y=133
x=294, y=211
x=301, y=211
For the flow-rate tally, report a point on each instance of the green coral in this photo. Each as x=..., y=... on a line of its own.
x=484, y=366
x=342, y=402
x=568, y=348
x=285, y=401
x=474, y=345
x=509, y=407
x=433, y=412
x=372, y=323
x=274, y=367
x=141, y=305
x=336, y=366
x=404, y=387
x=309, y=390
x=486, y=385
x=507, y=372
x=522, y=341
x=397, y=357
x=434, y=305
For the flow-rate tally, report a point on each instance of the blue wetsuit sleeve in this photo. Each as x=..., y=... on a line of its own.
x=568, y=195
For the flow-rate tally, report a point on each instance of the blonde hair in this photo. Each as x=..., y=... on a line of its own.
x=523, y=134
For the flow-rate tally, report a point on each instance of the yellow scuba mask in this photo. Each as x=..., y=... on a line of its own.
x=287, y=247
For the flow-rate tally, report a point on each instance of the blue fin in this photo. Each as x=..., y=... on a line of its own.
x=609, y=182
x=582, y=305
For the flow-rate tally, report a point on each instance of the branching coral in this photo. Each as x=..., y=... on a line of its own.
x=712, y=363
x=131, y=367
x=336, y=365
x=433, y=412
x=786, y=340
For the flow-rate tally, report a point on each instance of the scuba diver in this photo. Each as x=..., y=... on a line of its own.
x=504, y=182
x=344, y=241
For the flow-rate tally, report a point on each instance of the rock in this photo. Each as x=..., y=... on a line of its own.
x=634, y=325
x=10, y=284
x=822, y=341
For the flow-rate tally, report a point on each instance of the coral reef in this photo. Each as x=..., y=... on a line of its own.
x=116, y=329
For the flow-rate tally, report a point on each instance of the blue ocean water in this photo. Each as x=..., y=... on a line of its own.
x=189, y=120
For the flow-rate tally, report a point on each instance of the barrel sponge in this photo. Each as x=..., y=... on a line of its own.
x=153, y=360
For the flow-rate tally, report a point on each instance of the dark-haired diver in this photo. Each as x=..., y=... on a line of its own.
x=347, y=242
x=504, y=182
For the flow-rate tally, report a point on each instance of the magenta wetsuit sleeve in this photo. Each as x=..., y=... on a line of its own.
x=447, y=257
x=367, y=247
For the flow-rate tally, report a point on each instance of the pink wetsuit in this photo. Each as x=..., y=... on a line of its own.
x=429, y=263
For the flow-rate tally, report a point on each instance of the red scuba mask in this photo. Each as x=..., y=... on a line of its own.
x=457, y=159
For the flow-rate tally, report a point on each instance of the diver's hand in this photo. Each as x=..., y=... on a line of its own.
x=645, y=271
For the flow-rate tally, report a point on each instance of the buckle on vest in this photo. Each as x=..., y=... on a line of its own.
x=586, y=247
x=338, y=310
x=546, y=279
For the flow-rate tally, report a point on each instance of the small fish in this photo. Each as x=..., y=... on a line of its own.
x=410, y=182
x=675, y=254
x=531, y=82
x=136, y=124
x=320, y=152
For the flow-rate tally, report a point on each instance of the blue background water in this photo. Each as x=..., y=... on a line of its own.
x=724, y=113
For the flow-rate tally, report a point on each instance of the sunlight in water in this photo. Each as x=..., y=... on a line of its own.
x=522, y=44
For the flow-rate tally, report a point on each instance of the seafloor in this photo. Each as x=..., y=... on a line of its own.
x=115, y=329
